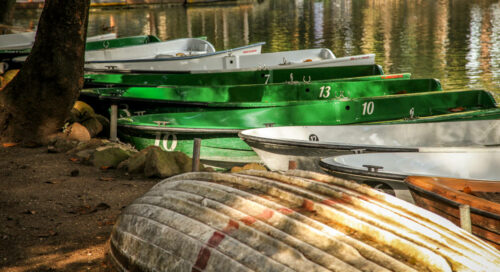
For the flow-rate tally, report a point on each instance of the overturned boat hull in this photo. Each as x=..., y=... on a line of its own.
x=296, y=221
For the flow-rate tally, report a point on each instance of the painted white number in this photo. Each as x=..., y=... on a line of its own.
x=325, y=91
x=368, y=108
x=267, y=77
x=165, y=140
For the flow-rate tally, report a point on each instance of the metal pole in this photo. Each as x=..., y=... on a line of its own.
x=465, y=222
x=196, y=154
x=112, y=124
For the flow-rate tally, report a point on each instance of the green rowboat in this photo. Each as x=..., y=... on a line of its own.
x=218, y=129
x=231, y=78
x=167, y=99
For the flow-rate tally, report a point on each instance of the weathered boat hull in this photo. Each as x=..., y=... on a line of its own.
x=306, y=146
x=162, y=99
x=122, y=78
x=335, y=112
x=443, y=196
x=296, y=221
x=390, y=169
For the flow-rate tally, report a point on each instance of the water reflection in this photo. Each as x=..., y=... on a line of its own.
x=456, y=41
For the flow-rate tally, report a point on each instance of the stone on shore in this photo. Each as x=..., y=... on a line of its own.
x=135, y=163
x=93, y=125
x=109, y=157
x=77, y=132
x=249, y=166
x=161, y=164
x=7, y=77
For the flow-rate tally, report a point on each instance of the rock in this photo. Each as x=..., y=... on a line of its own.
x=249, y=166
x=77, y=132
x=161, y=164
x=84, y=109
x=59, y=143
x=91, y=144
x=109, y=157
x=104, y=122
x=254, y=166
x=85, y=155
x=93, y=126
x=236, y=169
x=8, y=76
x=184, y=162
x=135, y=164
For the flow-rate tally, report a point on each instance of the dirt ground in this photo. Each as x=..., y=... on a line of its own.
x=57, y=214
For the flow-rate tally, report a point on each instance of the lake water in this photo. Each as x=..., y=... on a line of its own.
x=457, y=42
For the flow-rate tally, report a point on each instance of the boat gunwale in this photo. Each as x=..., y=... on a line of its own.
x=410, y=180
x=166, y=72
x=336, y=167
x=177, y=58
x=337, y=146
x=451, y=202
x=179, y=129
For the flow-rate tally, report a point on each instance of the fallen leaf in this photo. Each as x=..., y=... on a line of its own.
x=29, y=212
x=457, y=109
x=9, y=144
x=105, y=167
x=106, y=179
x=74, y=159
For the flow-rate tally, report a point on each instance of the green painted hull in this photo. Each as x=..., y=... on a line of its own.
x=232, y=78
x=173, y=130
x=168, y=99
x=121, y=42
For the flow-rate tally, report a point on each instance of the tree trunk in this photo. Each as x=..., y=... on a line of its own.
x=7, y=11
x=38, y=100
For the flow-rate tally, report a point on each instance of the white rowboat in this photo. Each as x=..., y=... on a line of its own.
x=238, y=59
x=306, y=145
x=25, y=40
x=392, y=168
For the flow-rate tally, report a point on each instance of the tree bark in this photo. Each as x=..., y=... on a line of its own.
x=7, y=11
x=37, y=101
